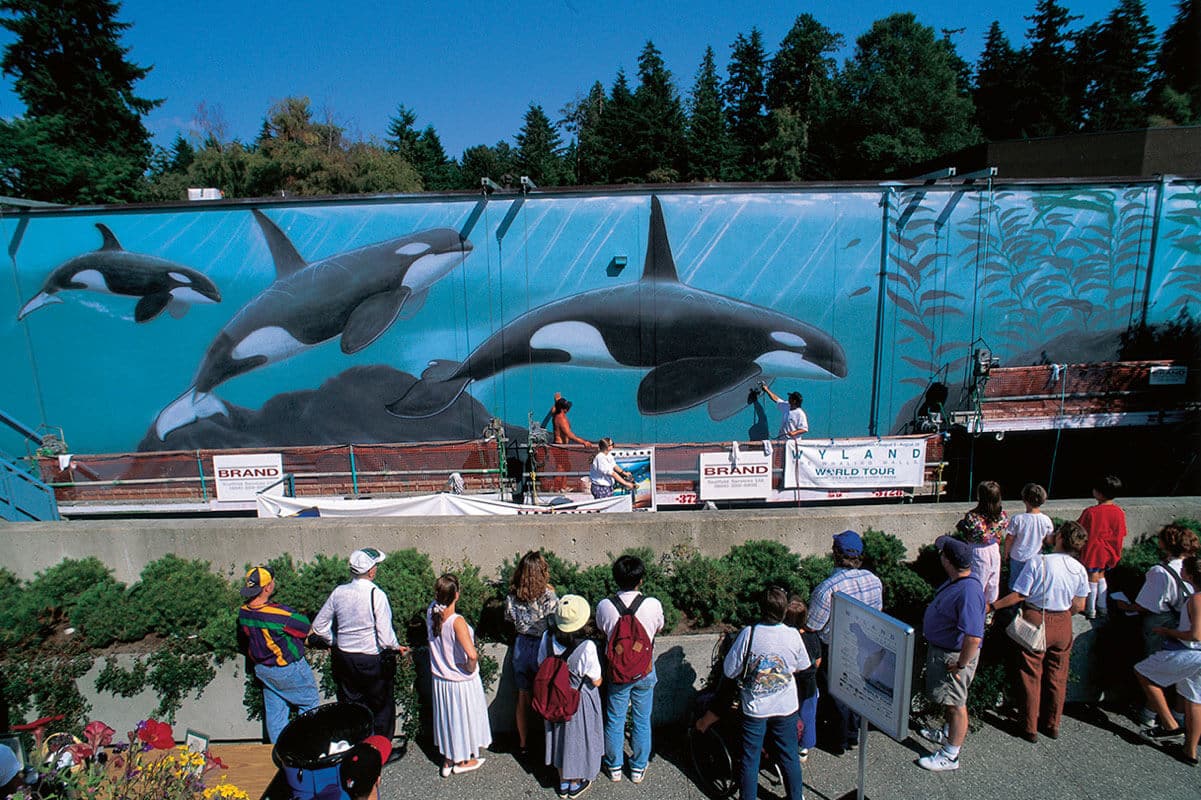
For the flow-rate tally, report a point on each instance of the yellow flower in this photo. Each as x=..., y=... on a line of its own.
x=225, y=791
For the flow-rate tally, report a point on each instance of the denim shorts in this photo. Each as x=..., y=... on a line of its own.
x=525, y=661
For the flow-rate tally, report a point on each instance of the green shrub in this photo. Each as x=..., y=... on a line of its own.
x=306, y=588
x=703, y=588
x=1137, y=558
x=220, y=634
x=26, y=619
x=408, y=579
x=757, y=565
x=64, y=583
x=813, y=570
x=106, y=613
x=178, y=597
x=906, y=595
x=122, y=681
x=882, y=552
x=42, y=683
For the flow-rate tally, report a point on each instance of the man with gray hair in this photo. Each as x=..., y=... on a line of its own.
x=356, y=621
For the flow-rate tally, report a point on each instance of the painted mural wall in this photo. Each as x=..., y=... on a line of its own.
x=416, y=319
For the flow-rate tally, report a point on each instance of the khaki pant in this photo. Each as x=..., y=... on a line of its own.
x=1044, y=676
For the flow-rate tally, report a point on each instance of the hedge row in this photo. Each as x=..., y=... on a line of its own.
x=188, y=613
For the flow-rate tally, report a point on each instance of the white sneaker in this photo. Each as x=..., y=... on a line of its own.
x=938, y=762
x=613, y=774
x=803, y=755
x=936, y=735
x=636, y=775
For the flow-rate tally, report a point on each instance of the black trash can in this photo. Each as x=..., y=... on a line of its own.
x=302, y=750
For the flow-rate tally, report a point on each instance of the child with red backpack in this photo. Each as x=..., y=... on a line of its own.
x=630, y=621
x=565, y=694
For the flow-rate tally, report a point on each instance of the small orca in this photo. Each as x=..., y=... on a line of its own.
x=356, y=295
x=112, y=269
x=698, y=346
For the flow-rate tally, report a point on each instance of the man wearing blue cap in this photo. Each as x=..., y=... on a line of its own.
x=953, y=627
x=849, y=578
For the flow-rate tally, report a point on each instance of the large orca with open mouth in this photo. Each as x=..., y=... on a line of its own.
x=356, y=295
x=161, y=284
x=698, y=346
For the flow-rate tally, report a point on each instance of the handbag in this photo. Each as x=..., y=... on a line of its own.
x=1030, y=637
x=387, y=657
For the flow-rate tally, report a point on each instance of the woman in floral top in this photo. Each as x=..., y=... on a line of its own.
x=528, y=605
x=984, y=528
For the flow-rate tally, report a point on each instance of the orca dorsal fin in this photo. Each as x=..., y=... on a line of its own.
x=283, y=252
x=110, y=241
x=660, y=265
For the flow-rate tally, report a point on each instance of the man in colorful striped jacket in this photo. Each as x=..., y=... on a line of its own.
x=272, y=638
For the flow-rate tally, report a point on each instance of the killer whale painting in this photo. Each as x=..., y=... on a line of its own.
x=160, y=284
x=698, y=346
x=858, y=296
x=356, y=295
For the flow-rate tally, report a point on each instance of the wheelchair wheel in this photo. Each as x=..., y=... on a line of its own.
x=712, y=764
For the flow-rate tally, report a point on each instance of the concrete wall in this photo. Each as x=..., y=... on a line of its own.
x=231, y=544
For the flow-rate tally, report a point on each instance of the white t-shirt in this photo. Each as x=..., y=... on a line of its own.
x=1161, y=592
x=1028, y=532
x=778, y=652
x=601, y=472
x=650, y=613
x=794, y=419
x=1054, y=587
x=584, y=662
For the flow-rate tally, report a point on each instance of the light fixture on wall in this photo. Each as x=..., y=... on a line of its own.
x=489, y=186
x=616, y=265
x=527, y=185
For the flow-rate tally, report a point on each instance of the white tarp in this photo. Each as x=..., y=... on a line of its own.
x=429, y=505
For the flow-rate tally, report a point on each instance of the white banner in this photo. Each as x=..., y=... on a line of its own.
x=736, y=475
x=856, y=463
x=429, y=505
x=241, y=477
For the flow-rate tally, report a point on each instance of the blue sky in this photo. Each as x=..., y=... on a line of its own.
x=471, y=68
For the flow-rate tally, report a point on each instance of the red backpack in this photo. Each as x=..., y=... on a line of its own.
x=553, y=696
x=629, y=649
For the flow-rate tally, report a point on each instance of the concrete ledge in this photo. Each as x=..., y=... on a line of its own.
x=230, y=544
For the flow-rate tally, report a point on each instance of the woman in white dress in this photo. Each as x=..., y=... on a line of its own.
x=460, y=711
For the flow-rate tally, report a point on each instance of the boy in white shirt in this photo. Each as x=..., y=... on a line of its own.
x=1027, y=532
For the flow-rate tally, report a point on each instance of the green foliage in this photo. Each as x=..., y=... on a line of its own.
x=307, y=587
x=408, y=579
x=745, y=95
x=540, y=149
x=122, y=681
x=703, y=588
x=757, y=565
x=174, y=671
x=178, y=596
x=42, y=683
x=105, y=613
x=62, y=584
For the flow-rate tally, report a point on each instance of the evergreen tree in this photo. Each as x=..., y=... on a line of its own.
x=1176, y=92
x=539, y=148
x=619, y=134
x=746, y=105
x=1117, y=54
x=423, y=149
x=800, y=88
x=900, y=100
x=588, y=158
x=659, y=119
x=708, y=141
x=495, y=163
x=82, y=138
x=995, y=92
x=1050, y=93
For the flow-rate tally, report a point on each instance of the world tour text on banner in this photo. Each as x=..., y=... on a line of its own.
x=874, y=463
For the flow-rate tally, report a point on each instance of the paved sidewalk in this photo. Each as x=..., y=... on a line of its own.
x=1102, y=759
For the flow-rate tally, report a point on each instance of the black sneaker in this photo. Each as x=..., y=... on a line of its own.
x=579, y=790
x=1158, y=732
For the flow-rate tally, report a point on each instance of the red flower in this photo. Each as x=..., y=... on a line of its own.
x=80, y=752
x=215, y=761
x=156, y=734
x=97, y=734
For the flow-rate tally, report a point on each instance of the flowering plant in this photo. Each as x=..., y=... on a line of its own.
x=147, y=766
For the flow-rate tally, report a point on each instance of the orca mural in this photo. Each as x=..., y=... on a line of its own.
x=858, y=296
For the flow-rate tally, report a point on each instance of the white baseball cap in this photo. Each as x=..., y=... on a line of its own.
x=361, y=561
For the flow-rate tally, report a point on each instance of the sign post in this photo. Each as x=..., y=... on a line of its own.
x=871, y=666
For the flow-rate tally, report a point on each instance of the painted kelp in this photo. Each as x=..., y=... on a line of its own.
x=857, y=297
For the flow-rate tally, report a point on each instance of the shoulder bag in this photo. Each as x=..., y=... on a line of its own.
x=1030, y=637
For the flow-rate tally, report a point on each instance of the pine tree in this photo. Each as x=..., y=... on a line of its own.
x=995, y=92
x=1050, y=92
x=901, y=100
x=423, y=149
x=746, y=105
x=659, y=117
x=1176, y=92
x=495, y=163
x=800, y=88
x=619, y=134
x=539, y=148
x=708, y=141
x=82, y=138
x=589, y=158
x=1117, y=54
